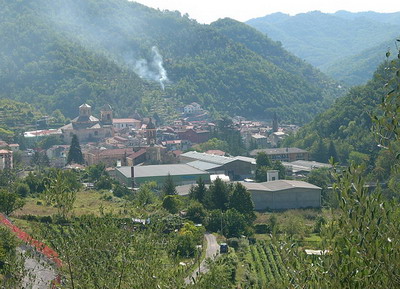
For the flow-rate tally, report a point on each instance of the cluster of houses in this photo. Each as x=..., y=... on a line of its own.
x=139, y=150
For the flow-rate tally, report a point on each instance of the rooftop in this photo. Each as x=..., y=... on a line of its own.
x=161, y=170
x=203, y=165
x=276, y=151
x=278, y=185
x=125, y=120
x=216, y=159
x=300, y=165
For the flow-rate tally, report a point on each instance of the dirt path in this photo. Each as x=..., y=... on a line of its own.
x=211, y=253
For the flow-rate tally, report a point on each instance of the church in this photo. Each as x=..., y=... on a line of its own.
x=89, y=128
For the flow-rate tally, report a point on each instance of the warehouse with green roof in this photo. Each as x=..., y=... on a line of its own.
x=182, y=174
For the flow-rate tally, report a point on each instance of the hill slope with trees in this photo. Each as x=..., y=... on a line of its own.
x=59, y=54
x=327, y=40
x=346, y=129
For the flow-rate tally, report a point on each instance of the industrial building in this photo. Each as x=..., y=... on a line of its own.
x=237, y=168
x=283, y=154
x=182, y=174
x=284, y=194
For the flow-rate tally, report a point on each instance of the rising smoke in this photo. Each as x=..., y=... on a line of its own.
x=153, y=70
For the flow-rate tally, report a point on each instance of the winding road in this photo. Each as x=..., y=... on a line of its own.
x=211, y=253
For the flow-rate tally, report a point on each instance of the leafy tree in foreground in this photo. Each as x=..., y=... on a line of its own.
x=11, y=271
x=361, y=244
x=75, y=152
x=114, y=257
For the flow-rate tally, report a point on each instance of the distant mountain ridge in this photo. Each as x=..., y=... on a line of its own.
x=335, y=42
x=58, y=54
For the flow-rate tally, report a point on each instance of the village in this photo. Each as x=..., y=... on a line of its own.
x=138, y=150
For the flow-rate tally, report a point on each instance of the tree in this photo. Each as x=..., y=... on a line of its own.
x=277, y=165
x=241, y=201
x=196, y=213
x=121, y=190
x=114, y=255
x=171, y=203
x=169, y=186
x=9, y=202
x=22, y=190
x=332, y=153
x=198, y=192
x=11, y=265
x=262, y=160
x=40, y=159
x=234, y=224
x=61, y=193
x=145, y=195
x=320, y=153
x=103, y=183
x=322, y=178
x=75, y=152
x=360, y=243
x=213, y=144
x=7, y=177
x=217, y=196
x=261, y=173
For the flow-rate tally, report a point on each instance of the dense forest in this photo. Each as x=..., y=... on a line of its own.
x=59, y=54
x=346, y=130
x=347, y=46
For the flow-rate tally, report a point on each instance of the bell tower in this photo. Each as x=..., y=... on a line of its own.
x=106, y=115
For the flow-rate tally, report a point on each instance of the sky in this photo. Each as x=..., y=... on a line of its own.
x=207, y=11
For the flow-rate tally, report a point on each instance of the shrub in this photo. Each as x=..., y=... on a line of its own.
x=262, y=228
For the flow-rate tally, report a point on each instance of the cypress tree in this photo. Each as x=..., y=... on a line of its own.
x=169, y=186
x=198, y=192
x=332, y=152
x=75, y=152
x=242, y=202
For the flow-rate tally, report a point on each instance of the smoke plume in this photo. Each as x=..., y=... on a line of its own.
x=153, y=70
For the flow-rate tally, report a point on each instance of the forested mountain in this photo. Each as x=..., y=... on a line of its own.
x=348, y=123
x=59, y=54
x=345, y=45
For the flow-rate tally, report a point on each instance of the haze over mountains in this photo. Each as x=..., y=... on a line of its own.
x=59, y=54
x=347, y=46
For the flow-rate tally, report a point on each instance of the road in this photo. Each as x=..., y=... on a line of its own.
x=211, y=253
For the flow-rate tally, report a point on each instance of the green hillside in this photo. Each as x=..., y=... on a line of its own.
x=329, y=41
x=359, y=68
x=59, y=54
x=347, y=124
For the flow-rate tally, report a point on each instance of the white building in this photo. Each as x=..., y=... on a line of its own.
x=192, y=108
x=123, y=123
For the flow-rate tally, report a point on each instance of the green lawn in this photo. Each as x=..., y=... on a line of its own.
x=87, y=202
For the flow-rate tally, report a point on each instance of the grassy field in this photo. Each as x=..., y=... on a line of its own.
x=87, y=202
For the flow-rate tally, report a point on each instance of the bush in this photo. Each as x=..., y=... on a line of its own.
x=121, y=191
x=262, y=228
x=46, y=219
x=22, y=190
x=233, y=242
x=196, y=213
x=171, y=203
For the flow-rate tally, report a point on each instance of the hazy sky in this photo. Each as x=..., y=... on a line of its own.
x=206, y=11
